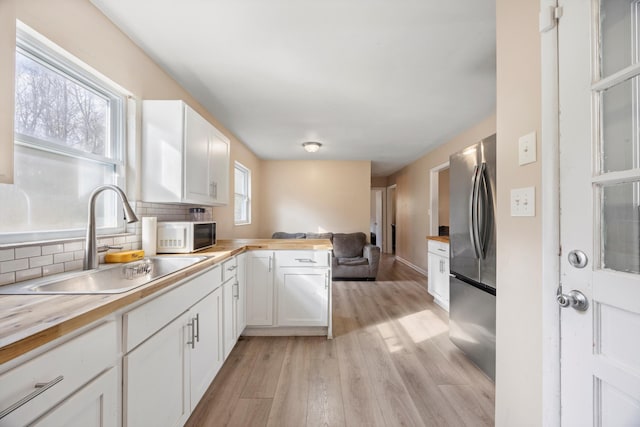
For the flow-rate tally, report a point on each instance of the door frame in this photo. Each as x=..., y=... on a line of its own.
x=433, y=197
x=383, y=220
x=550, y=215
x=388, y=216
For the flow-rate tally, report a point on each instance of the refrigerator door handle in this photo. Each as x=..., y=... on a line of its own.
x=473, y=212
x=472, y=207
x=481, y=214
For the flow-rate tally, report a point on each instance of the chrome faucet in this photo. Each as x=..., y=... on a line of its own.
x=90, y=244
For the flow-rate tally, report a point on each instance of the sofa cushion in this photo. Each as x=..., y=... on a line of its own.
x=283, y=235
x=320, y=236
x=348, y=245
x=353, y=261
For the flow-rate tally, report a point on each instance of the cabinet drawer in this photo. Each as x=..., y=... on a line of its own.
x=143, y=321
x=302, y=258
x=439, y=248
x=229, y=269
x=65, y=368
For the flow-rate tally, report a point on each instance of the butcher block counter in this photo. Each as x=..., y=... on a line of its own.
x=30, y=321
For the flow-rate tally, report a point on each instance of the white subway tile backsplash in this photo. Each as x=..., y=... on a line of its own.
x=73, y=246
x=27, y=252
x=26, y=262
x=31, y=273
x=52, y=249
x=7, y=278
x=15, y=265
x=73, y=265
x=39, y=261
x=63, y=257
x=7, y=254
x=48, y=270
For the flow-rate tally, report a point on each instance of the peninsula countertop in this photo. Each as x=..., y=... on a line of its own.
x=443, y=239
x=29, y=321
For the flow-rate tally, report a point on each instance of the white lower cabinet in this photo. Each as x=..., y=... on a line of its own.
x=157, y=379
x=241, y=297
x=95, y=405
x=206, y=351
x=303, y=296
x=70, y=382
x=438, y=263
x=230, y=310
x=167, y=374
x=259, y=292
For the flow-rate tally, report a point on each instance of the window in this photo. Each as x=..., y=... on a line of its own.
x=69, y=139
x=242, y=201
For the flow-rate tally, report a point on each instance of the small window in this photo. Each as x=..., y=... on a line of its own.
x=69, y=139
x=242, y=201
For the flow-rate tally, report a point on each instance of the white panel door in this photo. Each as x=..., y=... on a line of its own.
x=259, y=288
x=95, y=405
x=156, y=381
x=198, y=186
x=205, y=325
x=303, y=296
x=599, y=46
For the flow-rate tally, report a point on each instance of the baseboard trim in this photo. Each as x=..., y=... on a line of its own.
x=409, y=264
x=285, y=331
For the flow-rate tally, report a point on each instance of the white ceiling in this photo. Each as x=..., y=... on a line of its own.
x=378, y=80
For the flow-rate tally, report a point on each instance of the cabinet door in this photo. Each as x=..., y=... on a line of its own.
x=433, y=262
x=259, y=288
x=197, y=180
x=303, y=296
x=156, y=384
x=229, y=321
x=241, y=295
x=219, y=167
x=206, y=354
x=95, y=405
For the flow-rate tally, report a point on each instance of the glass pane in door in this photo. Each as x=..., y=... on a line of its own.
x=619, y=128
x=618, y=35
x=621, y=227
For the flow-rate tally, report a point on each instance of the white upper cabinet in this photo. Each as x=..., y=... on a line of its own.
x=185, y=159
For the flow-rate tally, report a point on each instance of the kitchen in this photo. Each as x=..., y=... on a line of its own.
x=522, y=330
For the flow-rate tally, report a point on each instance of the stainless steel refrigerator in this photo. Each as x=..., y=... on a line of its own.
x=472, y=233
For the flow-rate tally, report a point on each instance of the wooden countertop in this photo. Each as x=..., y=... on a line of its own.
x=29, y=321
x=443, y=239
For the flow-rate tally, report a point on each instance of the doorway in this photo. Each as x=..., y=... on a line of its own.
x=376, y=223
x=390, y=220
x=439, y=201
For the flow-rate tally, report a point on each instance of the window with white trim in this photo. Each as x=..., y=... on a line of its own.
x=242, y=200
x=69, y=139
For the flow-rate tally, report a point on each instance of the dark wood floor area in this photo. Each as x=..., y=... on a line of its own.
x=390, y=364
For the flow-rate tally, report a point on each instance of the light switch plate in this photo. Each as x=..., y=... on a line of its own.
x=527, y=149
x=523, y=201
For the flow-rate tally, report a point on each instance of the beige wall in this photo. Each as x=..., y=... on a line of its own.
x=519, y=311
x=379, y=181
x=315, y=196
x=78, y=27
x=443, y=197
x=412, y=200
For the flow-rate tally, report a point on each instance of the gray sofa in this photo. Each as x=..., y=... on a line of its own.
x=352, y=259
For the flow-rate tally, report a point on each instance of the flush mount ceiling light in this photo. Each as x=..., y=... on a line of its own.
x=311, y=146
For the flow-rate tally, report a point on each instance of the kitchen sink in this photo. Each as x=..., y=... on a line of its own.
x=107, y=280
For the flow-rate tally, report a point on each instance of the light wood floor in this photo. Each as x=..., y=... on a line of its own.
x=390, y=364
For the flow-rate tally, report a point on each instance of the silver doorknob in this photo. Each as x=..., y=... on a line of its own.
x=575, y=299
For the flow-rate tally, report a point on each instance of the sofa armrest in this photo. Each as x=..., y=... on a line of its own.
x=372, y=253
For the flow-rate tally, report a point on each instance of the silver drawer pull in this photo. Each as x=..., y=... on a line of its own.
x=40, y=388
x=307, y=260
x=233, y=267
x=442, y=250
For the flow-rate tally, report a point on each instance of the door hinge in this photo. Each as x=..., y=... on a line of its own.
x=549, y=16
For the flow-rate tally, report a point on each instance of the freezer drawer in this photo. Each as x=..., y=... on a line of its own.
x=472, y=324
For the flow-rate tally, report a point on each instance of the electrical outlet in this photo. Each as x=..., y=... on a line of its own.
x=523, y=201
x=527, y=149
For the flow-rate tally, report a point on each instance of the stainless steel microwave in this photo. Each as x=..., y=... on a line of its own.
x=182, y=237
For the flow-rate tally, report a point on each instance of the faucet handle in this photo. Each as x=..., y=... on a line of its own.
x=105, y=248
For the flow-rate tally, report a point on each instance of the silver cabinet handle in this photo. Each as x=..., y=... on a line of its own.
x=192, y=325
x=236, y=290
x=306, y=260
x=40, y=388
x=233, y=267
x=269, y=264
x=197, y=321
x=326, y=280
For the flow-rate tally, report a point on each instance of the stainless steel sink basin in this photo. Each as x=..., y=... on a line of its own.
x=111, y=280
